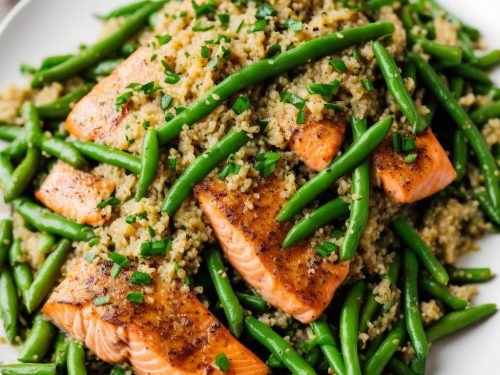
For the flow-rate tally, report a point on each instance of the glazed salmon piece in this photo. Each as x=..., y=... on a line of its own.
x=295, y=280
x=95, y=118
x=75, y=194
x=406, y=182
x=171, y=332
x=317, y=142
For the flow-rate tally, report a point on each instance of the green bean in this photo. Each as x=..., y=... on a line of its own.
x=59, y=109
x=470, y=275
x=5, y=240
x=327, y=213
x=268, y=68
x=457, y=320
x=11, y=132
x=29, y=369
x=108, y=155
x=273, y=361
x=23, y=279
x=416, y=244
x=399, y=368
x=52, y=61
x=6, y=170
x=466, y=46
x=472, y=73
x=377, y=362
x=331, y=352
x=46, y=221
x=38, y=341
x=124, y=10
x=278, y=346
x=355, y=155
x=449, y=55
x=443, y=293
x=413, y=320
x=360, y=194
x=9, y=306
x=62, y=150
x=460, y=154
x=46, y=243
x=254, y=303
x=47, y=275
x=16, y=148
x=149, y=164
x=489, y=59
x=418, y=365
x=21, y=176
x=229, y=301
x=377, y=4
x=481, y=115
x=61, y=351
x=490, y=211
x=473, y=135
x=492, y=92
x=76, y=358
x=348, y=328
x=98, y=51
x=457, y=85
x=16, y=254
x=201, y=167
x=32, y=123
x=104, y=68
x=313, y=356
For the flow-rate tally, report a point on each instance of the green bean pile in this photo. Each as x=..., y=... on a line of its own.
x=341, y=340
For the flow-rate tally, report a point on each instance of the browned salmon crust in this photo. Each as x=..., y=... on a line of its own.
x=295, y=280
x=170, y=333
x=407, y=182
x=75, y=194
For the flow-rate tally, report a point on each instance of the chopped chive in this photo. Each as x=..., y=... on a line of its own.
x=112, y=201
x=326, y=90
x=338, y=65
x=151, y=232
x=163, y=39
x=142, y=278
x=368, y=85
x=326, y=249
x=241, y=104
x=410, y=158
x=222, y=362
x=172, y=164
x=240, y=26
x=137, y=297
x=99, y=301
x=160, y=247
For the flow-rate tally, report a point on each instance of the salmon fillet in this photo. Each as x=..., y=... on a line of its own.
x=406, y=182
x=296, y=279
x=95, y=118
x=317, y=142
x=75, y=194
x=171, y=332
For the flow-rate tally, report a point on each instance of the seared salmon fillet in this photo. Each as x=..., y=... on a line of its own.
x=75, y=194
x=408, y=182
x=317, y=142
x=171, y=332
x=296, y=279
x=95, y=117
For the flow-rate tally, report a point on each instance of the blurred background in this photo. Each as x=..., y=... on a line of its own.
x=5, y=6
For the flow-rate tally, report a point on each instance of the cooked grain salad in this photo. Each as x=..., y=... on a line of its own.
x=249, y=187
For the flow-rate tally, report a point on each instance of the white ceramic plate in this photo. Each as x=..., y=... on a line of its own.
x=38, y=28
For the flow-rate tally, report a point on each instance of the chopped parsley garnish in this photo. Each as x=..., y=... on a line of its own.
x=410, y=158
x=204, y=9
x=356, y=54
x=409, y=144
x=160, y=247
x=205, y=52
x=241, y=104
x=224, y=19
x=172, y=164
x=147, y=88
x=301, y=117
x=397, y=142
x=141, y=278
x=266, y=162
x=176, y=267
x=296, y=101
x=326, y=249
x=119, y=259
x=257, y=26
x=137, y=297
x=216, y=60
x=326, y=90
x=185, y=280
x=293, y=25
x=171, y=77
x=166, y=101
x=117, y=371
x=146, y=124
x=222, y=362
x=273, y=50
x=403, y=144
x=238, y=29
x=199, y=27
x=368, y=85
x=89, y=257
x=112, y=201
x=99, y=301
x=265, y=10
x=338, y=65
x=163, y=39
x=230, y=168
x=122, y=100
